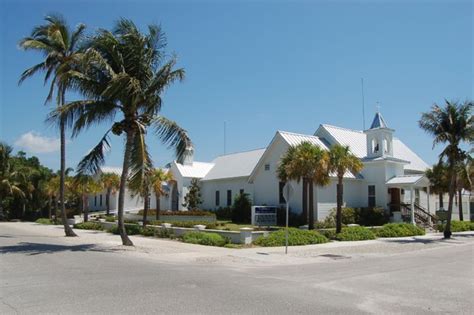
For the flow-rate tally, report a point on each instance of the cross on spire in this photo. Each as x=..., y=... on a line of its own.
x=377, y=107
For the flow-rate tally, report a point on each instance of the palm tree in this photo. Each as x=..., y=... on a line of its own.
x=158, y=177
x=341, y=160
x=111, y=183
x=10, y=185
x=439, y=180
x=84, y=185
x=142, y=189
x=59, y=44
x=452, y=125
x=309, y=163
x=124, y=72
x=51, y=189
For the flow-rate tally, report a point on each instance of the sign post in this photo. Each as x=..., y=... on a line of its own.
x=287, y=192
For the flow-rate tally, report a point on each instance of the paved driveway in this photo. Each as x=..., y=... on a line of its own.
x=43, y=272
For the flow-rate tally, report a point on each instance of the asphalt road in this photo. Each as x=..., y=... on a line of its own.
x=47, y=274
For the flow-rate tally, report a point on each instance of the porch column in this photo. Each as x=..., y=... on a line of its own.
x=412, y=205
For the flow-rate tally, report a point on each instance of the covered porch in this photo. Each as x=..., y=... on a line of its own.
x=411, y=211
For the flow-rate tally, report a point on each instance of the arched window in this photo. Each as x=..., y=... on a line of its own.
x=375, y=146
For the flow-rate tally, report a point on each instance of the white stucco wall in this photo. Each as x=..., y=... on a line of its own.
x=209, y=188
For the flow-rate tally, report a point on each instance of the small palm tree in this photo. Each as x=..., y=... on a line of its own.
x=111, y=183
x=143, y=190
x=341, y=161
x=465, y=178
x=309, y=163
x=452, y=125
x=124, y=72
x=84, y=185
x=158, y=177
x=439, y=180
x=59, y=45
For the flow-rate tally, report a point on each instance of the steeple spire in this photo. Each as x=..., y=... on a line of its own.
x=378, y=121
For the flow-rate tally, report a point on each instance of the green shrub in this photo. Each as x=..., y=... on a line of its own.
x=88, y=226
x=458, y=226
x=131, y=229
x=355, y=233
x=329, y=233
x=147, y=231
x=371, y=216
x=44, y=221
x=241, y=209
x=223, y=213
x=110, y=218
x=399, y=230
x=164, y=233
x=202, y=238
x=295, y=237
x=349, y=216
x=152, y=212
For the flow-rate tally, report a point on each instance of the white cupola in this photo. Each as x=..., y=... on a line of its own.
x=379, y=138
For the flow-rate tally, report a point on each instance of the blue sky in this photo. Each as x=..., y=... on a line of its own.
x=261, y=66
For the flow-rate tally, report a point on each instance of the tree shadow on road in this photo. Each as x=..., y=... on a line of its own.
x=455, y=239
x=41, y=248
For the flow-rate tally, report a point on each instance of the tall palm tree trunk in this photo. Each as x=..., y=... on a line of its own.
x=158, y=207
x=311, y=206
x=441, y=203
x=305, y=202
x=85, y=208
x=107, y=201
x=123, y=181
x=340, y=192
x=447, y=229
x=146, y=207
x=67, y=229
x=461, y=215
x=50, y=206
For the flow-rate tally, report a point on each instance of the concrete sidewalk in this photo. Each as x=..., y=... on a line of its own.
x=176, y=252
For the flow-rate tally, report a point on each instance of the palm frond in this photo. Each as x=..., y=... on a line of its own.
x=141, y=164
x=171, y=134
x=31, y=71
x=91, y=163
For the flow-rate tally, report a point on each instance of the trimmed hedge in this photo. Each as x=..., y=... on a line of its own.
x=88, y=226
x=295, y=237
x=110, y=218
x=152, y=212
x=458, y=226
x=131, y=229
x=148, y=231
x=44, y=221
x=355, y=233
x=202, y=238
x=399, y=230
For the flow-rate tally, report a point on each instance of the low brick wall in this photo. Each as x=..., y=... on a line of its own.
x=237, y=237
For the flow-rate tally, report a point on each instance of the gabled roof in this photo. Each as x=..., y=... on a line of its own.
x=240, y=164
x=408, y=180
x=194, y=170
x=357, y=142
x=111, y=169
x=378, y=121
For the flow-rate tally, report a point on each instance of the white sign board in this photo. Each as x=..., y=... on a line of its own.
x=264, y=216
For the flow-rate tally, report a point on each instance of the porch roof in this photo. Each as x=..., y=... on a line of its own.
x=408, y=180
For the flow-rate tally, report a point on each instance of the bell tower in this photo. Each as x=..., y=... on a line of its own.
x=379, y=138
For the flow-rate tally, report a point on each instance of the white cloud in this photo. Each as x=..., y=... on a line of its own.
x=34, y=142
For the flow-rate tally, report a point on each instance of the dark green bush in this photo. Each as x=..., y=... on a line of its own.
x=164, y=233
x=223, y=213
x=294, y=219
x=88, y=226
x=458, y=226
x=371, y=216
x=241, y=209
x=44, y=221
x=110, y=218
x=202, y=238
x=355, y=233
x=295, y=237
x=131, y=229
x=147, y=231
x=399, y=230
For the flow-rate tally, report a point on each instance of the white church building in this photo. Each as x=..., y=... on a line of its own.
x=392, y=178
